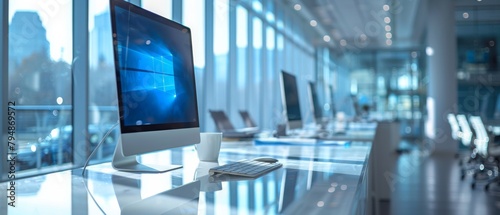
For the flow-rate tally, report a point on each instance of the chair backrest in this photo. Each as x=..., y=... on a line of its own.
x=482, y=138
x=465, y=130
x=247, y=119
x=455, y=129
x=221, y=120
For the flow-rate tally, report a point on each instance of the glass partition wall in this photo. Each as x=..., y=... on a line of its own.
x=478, y=54
x=387, y=84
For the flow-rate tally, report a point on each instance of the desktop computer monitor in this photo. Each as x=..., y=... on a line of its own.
x=332, y=101
x=155, y=84
x=316, y=107
x=290, y=99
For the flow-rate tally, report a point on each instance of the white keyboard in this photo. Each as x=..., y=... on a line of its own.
x=247, y=168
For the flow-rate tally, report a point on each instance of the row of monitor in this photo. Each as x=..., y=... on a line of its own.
x=291, y=101
x=156, y=86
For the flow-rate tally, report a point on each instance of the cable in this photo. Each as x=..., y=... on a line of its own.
x=98, y=145
x=92, y=196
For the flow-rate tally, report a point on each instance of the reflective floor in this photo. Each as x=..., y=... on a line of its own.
x=431, y=184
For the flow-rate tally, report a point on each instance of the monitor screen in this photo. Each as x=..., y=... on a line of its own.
x=154, y=68
x=332, y=101
x=315, y=103
x=155, y=81
x=290, y=97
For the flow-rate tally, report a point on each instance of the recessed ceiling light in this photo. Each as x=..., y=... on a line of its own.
x=479, y=0
x=387, y=28
x=297, y=7
x=387, y=20
x=388, y=42
x=343, y=42
x=386, y=7
x=465, y=15
x=363, y=37
x=429, y=51
x=313, y=23
x=414, y=54
x=326, y=38
x=388, y=35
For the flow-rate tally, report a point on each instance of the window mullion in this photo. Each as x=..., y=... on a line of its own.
x=80, y=68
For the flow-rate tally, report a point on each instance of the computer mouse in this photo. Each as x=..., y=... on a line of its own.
x=266, y=159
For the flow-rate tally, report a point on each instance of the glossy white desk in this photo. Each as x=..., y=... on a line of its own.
x=313, y=180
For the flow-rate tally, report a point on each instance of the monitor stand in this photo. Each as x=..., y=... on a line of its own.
x=130, y=164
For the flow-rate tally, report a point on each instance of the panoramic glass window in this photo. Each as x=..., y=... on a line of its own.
x=241, y=45
x=221, y=50
x=193, y=16
x=40, y=56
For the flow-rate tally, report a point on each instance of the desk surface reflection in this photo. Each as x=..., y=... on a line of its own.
x=313, y=180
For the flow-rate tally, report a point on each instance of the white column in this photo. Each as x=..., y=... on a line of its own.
x=441, y=69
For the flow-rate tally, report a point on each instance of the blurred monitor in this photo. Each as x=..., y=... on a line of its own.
x=332, y=101
x=290, y=99
x=316, y=107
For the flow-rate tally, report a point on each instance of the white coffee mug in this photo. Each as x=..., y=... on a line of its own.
x=209, y=146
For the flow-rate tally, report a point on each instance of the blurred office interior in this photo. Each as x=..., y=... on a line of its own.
x=410, y=61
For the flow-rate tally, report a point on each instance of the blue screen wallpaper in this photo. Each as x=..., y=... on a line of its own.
x=155, y=71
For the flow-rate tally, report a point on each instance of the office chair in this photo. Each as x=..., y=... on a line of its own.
x=481, y=142
x=465, y=135
x=245, y=116
x=455, y=128
x=455, y=131
x=225, y=126
x=221, y=120
x=494, y=152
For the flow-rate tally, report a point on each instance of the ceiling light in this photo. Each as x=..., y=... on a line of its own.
x=492, y=43
x=313, y=23
x=479, y=0
x=387, y=28
x=414, y=54
x=326, y=38
x=388, y=42
x=386, y=7
x=429, y=51
x=297, y=7
x=331, y=189
x=388, y=35
x=343, y=42
x=387, y=20
x=465, y=15
x=59, y=100
x=363, y=37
